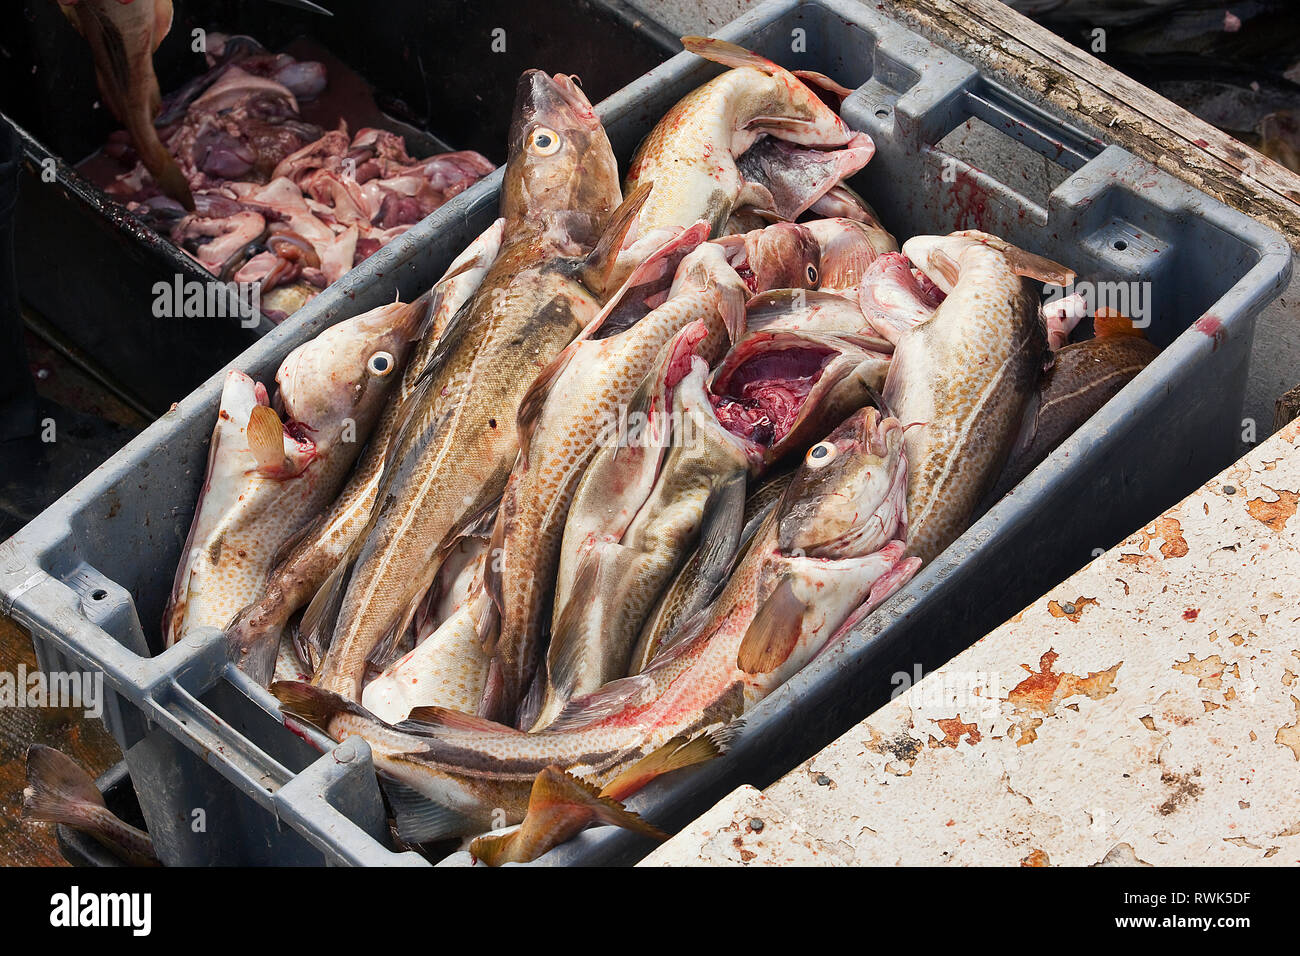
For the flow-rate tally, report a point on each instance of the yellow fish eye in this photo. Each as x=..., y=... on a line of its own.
x=812, y=274
x=820, y=454
x=544, y=141
x=381, y=363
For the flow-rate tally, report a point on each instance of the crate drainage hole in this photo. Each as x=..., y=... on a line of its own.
x=98, y=594
x=882, y=111
x=1120, y=244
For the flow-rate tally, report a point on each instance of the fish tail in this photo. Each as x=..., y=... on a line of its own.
x=254, y=641
x=316, y=705
x=59, y=791
x=559, y=806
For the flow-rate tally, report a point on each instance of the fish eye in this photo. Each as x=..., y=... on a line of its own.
x=812, y=274
x=544, y=141
x=381, y=363
x=820, y=454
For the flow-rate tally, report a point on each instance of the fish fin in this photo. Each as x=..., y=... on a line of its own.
x=493, y=700
x=534, y=400
x=598, y=268
x=724, y=519
x=1026, y=264
x=253, y=648
x=316, y=705
x=381, y=655
x=56, y=785
x=322, y=610
x=944, y=265
x=677, y=753
x=822, y=81
x=309, y=653
x=774, y=632
x=730, y=54
x=418, y=819
x=596, y=575
x=559, y=806
x=530, y=705
x=427, y=719
x=1113, y=322
x=599, y=704
x=59, y=790
x=265, y=434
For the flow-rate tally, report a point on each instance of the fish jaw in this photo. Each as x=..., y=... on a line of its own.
x=893, y=300
x=797, y=178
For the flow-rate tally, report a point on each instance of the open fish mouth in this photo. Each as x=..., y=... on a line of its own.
x=762, y=397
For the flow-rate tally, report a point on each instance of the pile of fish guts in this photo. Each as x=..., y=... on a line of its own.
x=647, y=448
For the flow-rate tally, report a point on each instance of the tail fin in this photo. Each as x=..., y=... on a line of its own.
x=559, y=806
x=316, y=705
x=60, y=791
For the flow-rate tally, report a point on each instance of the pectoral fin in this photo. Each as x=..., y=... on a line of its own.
x=774, y=633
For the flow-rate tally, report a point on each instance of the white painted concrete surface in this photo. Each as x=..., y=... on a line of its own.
x=1146, y=711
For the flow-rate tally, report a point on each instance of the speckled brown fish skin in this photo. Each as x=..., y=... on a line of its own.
x=451, y=458
x=300, y=573
x=959, y=381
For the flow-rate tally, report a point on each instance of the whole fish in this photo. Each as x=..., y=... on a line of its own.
x=266, y=479
x=309, y=558
x=830, y=546
x=59, y=791
x=123, y=38
x=691, y=154
x=1083, y=377
x=703, y=576
x=960, y=379
x=448, y=463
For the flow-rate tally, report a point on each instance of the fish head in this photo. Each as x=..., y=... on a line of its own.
x=784, y=255
x=847, y=498
x=348, y=371
x=848, y=248
x=561, y=165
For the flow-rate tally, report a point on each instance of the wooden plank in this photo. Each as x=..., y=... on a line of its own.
x=84, y=740
x=1113, y=106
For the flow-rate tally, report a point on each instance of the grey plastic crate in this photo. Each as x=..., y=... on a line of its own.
x=198, y=735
